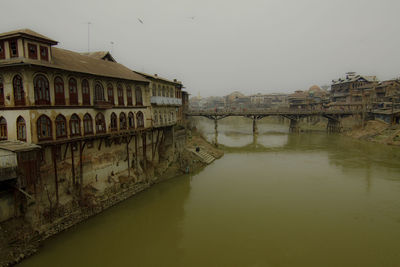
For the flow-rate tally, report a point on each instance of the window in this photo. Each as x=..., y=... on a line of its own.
x=100, y=123
x=21, y=129
x=98, y=92
x=154, y=90
x=138, y=93
x=44, y=128
x=87, y=124
x=113, y=124
x=19, y=94
x=61, y=129
x=159, y=90
x=2, y=51
x=110, y=93
x=13, y=48
x=85, y=92
x=32, y=49
x=42, y=92
x=44, y=53
x=155, y=118
x=120, y=92
x=131, y=120
x=122, y=121
x=129, y=95
x=59, y=91
x=1, y=92
x=140, y=119
x=75, y=125
x=3, y=129
x=73, y=92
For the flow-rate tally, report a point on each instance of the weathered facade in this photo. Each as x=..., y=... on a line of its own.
x=96, y=121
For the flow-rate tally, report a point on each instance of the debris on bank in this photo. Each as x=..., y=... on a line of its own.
x=377, y=131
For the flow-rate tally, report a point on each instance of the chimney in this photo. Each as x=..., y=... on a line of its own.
x=156, y=75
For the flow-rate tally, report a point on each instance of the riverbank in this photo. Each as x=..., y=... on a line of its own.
x=19, y=239
x=377, y=132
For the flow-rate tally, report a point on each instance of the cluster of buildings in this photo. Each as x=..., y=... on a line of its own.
x=239, y=101
x=353, y=92
x=70, y=119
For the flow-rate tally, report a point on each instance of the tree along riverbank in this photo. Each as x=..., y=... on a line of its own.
x=19, y=239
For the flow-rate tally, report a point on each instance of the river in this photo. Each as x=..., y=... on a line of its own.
x=307, y=199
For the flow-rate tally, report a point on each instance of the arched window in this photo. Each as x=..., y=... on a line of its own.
x=120, y=92
x=1, y=92
x=110, y=93
x=131, y=120
x=3, y=129
x=129, y=95
x=75, y=125
x=21, y=129
x=100, y=123
x=85, y=92
x=122, y=121
x=73, y=91
x=44, y=128
x=98, y=93
x=19, y=94
x=156, y=117
x=140, y=119
x=113, y=122
x=59, y=94
x=138, y=93
x=87, y=124
x=61, y=129
x=42, y=91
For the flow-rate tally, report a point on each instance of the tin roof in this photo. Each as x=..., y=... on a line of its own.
x=17, y=146
x=156, y=77
x=27, y=33
x=72, y=61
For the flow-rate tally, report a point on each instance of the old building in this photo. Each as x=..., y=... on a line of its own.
x=91, y=116
x=165, y=99
x=350, y=92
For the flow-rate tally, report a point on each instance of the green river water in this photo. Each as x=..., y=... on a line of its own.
x=287, y=200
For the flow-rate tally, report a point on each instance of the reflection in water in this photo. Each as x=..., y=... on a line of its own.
x=275, y=199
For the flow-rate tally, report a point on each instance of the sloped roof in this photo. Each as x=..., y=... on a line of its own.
x=17, y=146
x=27, y=33
x=100, y=55
x=76, y=62
x=157, y=77
x=354, y=78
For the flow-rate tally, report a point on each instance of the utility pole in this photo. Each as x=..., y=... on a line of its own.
x=88, y=36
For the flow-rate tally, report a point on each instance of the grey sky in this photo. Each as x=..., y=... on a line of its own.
x=252, y=46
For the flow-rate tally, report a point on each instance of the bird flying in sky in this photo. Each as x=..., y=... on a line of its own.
x=141, y=21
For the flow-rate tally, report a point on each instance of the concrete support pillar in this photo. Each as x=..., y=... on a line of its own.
x=294, y=126
x=216, y=132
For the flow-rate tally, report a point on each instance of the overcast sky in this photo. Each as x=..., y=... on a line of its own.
x=218, y=46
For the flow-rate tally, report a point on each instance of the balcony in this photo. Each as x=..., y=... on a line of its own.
x=98, y=104
x=165, y=101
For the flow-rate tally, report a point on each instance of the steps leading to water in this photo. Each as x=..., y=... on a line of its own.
x=204, y=156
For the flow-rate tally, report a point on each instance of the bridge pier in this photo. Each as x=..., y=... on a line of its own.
x=216, y=132
x=255, y=128
x=294, y=126
x=334, y=126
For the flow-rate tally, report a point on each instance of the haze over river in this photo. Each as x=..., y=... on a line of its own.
x=306, y=199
